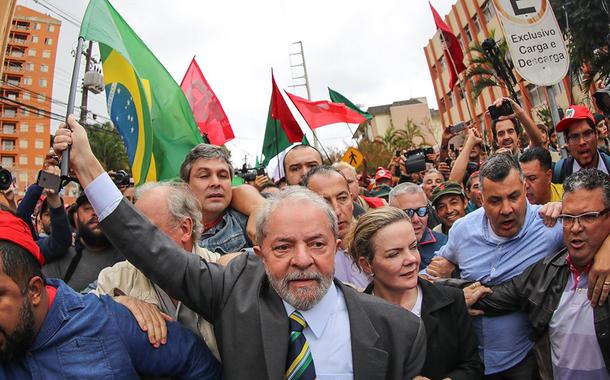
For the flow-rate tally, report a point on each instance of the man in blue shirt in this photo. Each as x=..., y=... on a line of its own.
x=48, y=331
x=492, y=245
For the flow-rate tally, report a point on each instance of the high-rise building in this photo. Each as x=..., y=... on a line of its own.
x=472, y=21
x=26, y=88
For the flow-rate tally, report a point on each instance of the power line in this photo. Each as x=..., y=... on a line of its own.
x=61, y=15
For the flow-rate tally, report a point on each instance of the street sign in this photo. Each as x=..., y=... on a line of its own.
x=353, y=157
x=534, y=40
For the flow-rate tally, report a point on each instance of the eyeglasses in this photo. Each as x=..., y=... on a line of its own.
x=585, y=219
x=586, y=135
x=421, y=211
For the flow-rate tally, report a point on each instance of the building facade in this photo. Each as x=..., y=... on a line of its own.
x=472, y=21
x=26, y=88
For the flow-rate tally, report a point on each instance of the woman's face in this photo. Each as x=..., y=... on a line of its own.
x=396, y=258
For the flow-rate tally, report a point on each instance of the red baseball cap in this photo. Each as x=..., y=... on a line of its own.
x=16, y=231
x=382, y=173
x=572, y=114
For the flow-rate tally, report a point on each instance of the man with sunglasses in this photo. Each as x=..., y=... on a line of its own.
x=553, y=291
x=412, y=199
x=578, y=127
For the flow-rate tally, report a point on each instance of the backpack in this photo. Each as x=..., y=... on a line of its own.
x=563, y=168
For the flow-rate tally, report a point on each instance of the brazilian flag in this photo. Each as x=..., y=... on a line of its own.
x=146, y=105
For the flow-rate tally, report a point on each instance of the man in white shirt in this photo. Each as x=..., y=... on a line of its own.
x=337, y=333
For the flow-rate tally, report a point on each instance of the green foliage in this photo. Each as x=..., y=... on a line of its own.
x=480, y=70
x=375, y=154
x=401, y=138
x=585, y=26
x=108, y=147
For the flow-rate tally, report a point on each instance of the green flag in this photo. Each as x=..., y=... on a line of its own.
x=275, y=140
x=146, y=105
x=335, y=97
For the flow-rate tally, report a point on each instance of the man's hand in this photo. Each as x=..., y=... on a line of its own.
x=440, y=267
x=260, y=181
x=599, y=276
x=444, y=169
x=149, y=317
x=550, y=213
x=472, y=294
x=82, y=160
x=473, y=135
x=53, y=198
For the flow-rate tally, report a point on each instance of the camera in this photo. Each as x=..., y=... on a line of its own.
x=397, y=153
x=505, y=109
x=415, y=160
x=457, y=127
x=6, y=179
x=121, y=178
x=250, y=174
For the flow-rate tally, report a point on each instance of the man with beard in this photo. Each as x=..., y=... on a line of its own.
x=91, y=252
x=48, y=331
x=332, y=185
x=507, y=129
x=259, y=301
x=578, y=127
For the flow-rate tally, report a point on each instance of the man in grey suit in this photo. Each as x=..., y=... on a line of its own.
x=277, y=314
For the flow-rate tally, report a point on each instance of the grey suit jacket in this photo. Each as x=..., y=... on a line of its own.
x=249, y=318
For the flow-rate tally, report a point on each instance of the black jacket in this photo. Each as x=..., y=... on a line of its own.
x=537, y=291
x=452, y=345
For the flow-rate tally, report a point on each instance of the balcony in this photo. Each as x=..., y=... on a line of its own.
x=9, y=113
x=13, y=69
x=18, y=26
x=18, y=41
x=9, y=129
x=16, y=54
x=8, y=145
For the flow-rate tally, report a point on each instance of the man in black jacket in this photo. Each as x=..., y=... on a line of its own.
x=553, y=292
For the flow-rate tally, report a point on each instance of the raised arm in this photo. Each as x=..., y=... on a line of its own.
x=461, y=162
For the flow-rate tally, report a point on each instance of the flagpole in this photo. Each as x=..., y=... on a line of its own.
x=65, y=157
x=277, y=150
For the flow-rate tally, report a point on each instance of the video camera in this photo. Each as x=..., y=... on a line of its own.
x=6, y=179
x=121, y=178
x=250, y=174
x=415, y=160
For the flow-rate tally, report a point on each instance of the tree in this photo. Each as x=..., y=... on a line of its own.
x=375, y=154
x=107, y=145
x=585, y=25
x=480, y=70
x=401, y=138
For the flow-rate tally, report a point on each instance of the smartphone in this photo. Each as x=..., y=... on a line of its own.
x=505, y=109
x=48, y=181
x=457, y=127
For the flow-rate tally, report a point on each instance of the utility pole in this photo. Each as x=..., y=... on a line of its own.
x=83, y=100
x=304, y=77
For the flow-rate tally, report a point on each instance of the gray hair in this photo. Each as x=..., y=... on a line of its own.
x=181, y=204
x=405, y=188
x=324, y=170
x=206, y=152
x=497, y=167
x=344, y=165
x=292, y=194
x=588, y=179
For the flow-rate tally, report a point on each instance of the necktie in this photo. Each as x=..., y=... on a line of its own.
x=300, y=362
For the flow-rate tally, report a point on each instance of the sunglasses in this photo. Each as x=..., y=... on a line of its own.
x=421, y=211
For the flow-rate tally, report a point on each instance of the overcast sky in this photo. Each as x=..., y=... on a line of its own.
x=371, y=52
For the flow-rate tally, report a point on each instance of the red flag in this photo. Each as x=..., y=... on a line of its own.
x=281, y=112
x=323, y=112
x=209, y=115
x=453, y=51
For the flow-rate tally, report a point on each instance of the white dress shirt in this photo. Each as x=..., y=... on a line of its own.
x=328, y=335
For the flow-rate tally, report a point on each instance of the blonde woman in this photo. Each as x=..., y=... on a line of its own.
x=384, y=245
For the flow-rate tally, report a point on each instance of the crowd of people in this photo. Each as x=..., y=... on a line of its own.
x=491, y=263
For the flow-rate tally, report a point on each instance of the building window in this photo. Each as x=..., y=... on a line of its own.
x=38, y=161
x=535, y=94
x=12, y=96
x=39, y=113
x=488, y=11
x=42, y=83
x=8, y=144
x=8, y=128
x=51, y=28
x=467, y=33
x=46, y=54
x=23, y=127
x=9, y=112
x=48, y=41
x=26, y=96
x=37, y=26
x=25, y=112
x=38, y=144
x=23, y=177
x=23, y=143
x=23, y=160
x=29, y=67
x=39, y=128
x=40, y=98
x=442, y=63
x=44, y=68
x=35, y=39
x=27, y=80
x=477, y=24
x=32, y=52
x=8, y=161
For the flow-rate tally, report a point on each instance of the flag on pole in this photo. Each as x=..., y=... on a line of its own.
x=282, y=129
x=323, y=112
x=209, y=115
x=451, y=48
x=338, y=98
x=145, y=104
